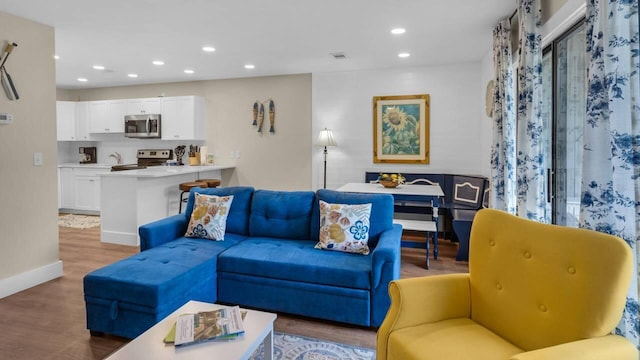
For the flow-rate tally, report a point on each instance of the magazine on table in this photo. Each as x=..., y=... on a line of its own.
x=221, y=324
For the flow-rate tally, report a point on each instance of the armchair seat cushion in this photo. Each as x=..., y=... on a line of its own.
x=297, y=261
x=452, y=339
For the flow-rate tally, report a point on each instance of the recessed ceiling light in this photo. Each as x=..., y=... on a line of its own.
x=188, y=71
x=132, y=75
x=404, y=55
x=98, y=67
x=158, y=62
x=56, y=57
x=338, y=55
x=82, y=79
x=398, y=31
x=249, y=66
x=208, y=48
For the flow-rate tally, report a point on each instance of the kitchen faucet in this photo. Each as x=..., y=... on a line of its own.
x=117, y=157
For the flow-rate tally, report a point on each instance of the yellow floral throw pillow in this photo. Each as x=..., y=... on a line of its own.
x=344, y=227
x=209, y=216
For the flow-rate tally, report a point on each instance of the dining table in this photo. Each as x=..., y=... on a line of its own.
x=430, y=194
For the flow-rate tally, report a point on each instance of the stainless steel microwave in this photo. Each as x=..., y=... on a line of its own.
x=142, y=126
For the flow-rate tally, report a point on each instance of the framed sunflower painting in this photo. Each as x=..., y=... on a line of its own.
x=401, y=129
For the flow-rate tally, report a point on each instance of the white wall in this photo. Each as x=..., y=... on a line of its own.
x=28, y=193
x=342, y=101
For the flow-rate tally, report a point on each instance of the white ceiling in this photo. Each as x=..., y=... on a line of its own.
x=277, y=36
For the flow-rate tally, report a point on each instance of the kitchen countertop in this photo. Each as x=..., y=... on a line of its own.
x=163, y=171
x=86, y=166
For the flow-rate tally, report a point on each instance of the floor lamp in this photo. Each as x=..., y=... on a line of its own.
x=326, y=139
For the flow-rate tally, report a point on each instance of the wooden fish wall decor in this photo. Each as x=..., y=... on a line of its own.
x=272, y=116
x=260, y=117
x=255, y=114
x=259, y=113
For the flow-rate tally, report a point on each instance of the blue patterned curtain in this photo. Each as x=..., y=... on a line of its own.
x=503, y=149
x=531, y=171
x=611, y=166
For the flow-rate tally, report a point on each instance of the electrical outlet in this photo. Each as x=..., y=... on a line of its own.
x=237, y=154
x=232, y=155
x=37, y=159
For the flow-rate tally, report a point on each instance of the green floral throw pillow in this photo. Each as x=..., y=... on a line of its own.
x=344, y=227
x=209, y=216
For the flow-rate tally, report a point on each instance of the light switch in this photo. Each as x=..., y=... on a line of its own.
x=37, y=159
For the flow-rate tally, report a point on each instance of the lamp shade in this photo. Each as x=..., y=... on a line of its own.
x=326, y=138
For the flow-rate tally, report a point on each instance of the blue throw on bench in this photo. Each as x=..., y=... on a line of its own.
x=267, y=261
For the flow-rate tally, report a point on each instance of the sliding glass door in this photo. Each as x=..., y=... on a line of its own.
x=564, y=81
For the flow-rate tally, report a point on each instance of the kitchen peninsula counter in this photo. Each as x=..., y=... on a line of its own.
x=85, y=166
x=164, y=171
x=132, y=198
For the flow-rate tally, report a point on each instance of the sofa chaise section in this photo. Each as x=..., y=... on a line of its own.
x=131, y=295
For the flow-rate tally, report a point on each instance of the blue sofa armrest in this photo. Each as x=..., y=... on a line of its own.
x=385, y=265
x=162, y=231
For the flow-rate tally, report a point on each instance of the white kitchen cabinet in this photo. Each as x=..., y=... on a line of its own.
x=82, y=121
x=67, y=196
x=98, y=117
x=80, y=188
x=116, y=110
x=107, y=116
x=66, y=120
x=72, y=120
x=144, y=106
x=87, y=193
x=183, y=118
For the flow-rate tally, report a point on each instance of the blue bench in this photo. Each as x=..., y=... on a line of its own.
x=464, y=195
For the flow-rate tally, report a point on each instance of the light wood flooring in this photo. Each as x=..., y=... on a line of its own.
x=48, y=321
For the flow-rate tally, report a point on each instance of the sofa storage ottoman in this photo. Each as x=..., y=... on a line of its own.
x=131, y=295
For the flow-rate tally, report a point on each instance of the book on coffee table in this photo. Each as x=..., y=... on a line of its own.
x=221, y=324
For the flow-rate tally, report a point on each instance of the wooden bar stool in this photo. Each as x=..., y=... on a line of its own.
x=212, y=183
x=186, y=188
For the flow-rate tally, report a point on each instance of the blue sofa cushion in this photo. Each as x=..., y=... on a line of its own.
x=281, y=214
x=296, y=261
x=381, y=217
x=155, y=277
x=238, y=219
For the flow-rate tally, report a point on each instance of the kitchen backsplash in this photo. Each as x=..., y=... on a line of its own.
x=127, y=148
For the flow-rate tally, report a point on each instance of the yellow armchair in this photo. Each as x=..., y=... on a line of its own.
x=533, y=291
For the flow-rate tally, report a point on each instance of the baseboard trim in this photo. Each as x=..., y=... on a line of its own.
x=119, y=237
x=29, y=279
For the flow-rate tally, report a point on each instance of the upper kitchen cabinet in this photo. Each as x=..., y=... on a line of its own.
x=82, y=121
x=144, y=106
x=66, y=120
x=107, y=116
x=183, y=118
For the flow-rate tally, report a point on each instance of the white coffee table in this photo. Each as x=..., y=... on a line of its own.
x=258, y=328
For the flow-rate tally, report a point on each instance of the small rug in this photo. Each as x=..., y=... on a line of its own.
x=294, y=347
x=78, y=221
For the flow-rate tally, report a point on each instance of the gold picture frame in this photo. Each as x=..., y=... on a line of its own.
x=401, y=129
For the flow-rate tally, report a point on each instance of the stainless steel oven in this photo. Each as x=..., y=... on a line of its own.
x=146, y=158
x=142, y=126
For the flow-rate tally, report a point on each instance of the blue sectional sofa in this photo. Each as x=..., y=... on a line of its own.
x=266, y=261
